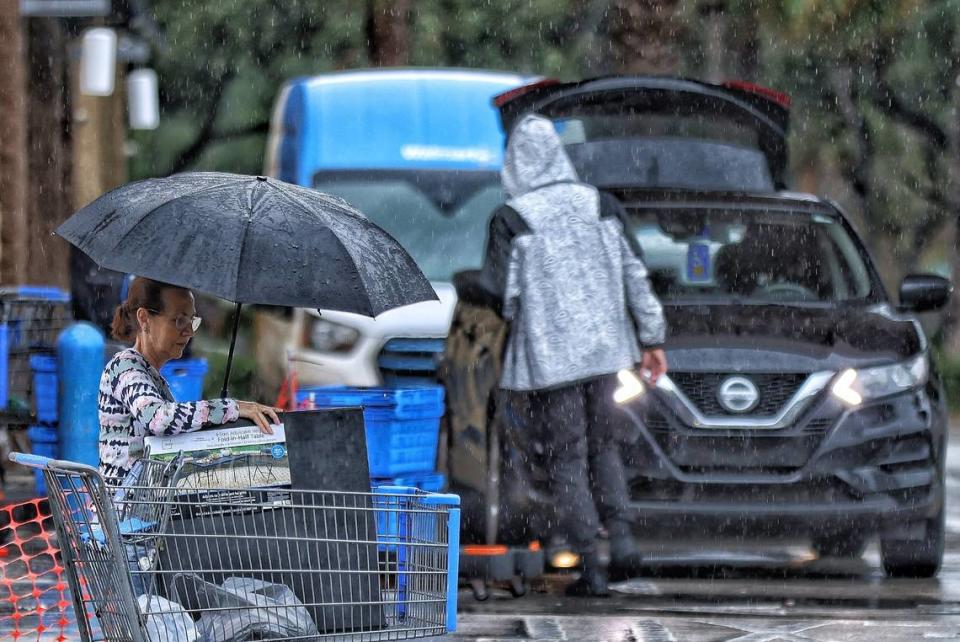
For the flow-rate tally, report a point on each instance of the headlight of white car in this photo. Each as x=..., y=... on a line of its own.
x=853, y=387
x=327, y=336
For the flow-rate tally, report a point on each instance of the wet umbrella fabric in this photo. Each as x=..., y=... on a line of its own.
x=249, y=240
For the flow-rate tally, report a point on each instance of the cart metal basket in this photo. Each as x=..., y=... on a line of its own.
x=159, y=561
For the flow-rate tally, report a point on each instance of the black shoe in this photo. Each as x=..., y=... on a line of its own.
x=592, y=581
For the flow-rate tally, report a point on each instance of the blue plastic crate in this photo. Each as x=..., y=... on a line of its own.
x=185, y=378
x=429, y=482
x=43, y=363
x=402, y=424
x=42, y=292
x=42, y=435
x=386, y=403
x=400, y=446
x=45, y=387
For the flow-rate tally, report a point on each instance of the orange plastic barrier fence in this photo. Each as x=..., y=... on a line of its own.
x=34, y=595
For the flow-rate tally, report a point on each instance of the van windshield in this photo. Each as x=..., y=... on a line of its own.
x=439, y=216
x=751, y=257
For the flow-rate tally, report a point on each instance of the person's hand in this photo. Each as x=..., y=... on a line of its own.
x=259, y=414
x=654, y=362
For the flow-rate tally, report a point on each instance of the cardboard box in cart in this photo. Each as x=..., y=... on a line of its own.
x=240, y=464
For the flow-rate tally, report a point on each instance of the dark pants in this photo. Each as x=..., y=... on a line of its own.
x=581, y=432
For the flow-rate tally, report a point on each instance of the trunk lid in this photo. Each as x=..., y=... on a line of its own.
x=664, y=133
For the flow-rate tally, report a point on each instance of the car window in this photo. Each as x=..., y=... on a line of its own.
x=645, y=124
x=443, y=225
x=750, y=257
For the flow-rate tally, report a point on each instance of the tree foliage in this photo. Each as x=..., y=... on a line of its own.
x=874, y=82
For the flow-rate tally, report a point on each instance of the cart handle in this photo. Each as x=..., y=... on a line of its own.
x=34, y=461
x=38, y=461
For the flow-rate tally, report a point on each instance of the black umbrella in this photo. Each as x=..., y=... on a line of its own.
x=249, y=239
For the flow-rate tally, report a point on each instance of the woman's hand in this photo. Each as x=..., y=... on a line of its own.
x=259, y=414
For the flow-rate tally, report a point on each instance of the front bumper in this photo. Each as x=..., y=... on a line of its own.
x=877, y=467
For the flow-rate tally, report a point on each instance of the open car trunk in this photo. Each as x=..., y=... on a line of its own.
x=667, y=133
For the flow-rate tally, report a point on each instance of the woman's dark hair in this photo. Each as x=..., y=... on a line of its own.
x=143, y=293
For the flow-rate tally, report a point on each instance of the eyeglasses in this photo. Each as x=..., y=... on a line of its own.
x=182, y=322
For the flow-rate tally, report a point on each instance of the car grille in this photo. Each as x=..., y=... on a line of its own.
x=701, y=389
x=736, y=449
x=410, y=361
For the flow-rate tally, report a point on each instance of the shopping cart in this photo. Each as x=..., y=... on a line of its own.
x=149, y=561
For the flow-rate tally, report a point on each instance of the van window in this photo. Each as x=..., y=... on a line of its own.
x=439, y=216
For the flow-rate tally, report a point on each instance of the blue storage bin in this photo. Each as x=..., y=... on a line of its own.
x=45, y=387
x=400, y=446
x=42, y=435
x=43, y=292
x=386, y=403
x=429, y=482
x=402, y=424
x=185, y=377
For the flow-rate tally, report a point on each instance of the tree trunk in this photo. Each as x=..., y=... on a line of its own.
x=48, y=143
x=714, y=41
x=388, y=32
x=645, y=36
x=743, y=59
x=13, y=147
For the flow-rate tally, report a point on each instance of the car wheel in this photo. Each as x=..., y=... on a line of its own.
x=846, y=544
x=915, y=557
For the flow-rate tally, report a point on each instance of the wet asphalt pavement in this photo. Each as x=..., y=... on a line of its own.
x=726, y=591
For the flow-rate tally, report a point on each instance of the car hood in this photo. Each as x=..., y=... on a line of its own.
x=765, y=338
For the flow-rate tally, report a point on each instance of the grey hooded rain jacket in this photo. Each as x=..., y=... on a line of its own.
x=574, y=289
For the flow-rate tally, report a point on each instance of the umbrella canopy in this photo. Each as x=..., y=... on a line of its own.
x=250, y=240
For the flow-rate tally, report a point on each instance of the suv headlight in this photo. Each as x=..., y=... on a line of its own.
x=853, y=387
x=327, y=336
x=630, y=387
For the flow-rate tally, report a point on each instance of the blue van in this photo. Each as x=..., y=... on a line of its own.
x=419, y=152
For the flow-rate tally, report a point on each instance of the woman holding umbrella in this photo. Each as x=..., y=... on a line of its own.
x=135, y=400
x=246, y=239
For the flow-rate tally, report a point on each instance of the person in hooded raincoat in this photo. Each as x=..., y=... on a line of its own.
x=580, y=307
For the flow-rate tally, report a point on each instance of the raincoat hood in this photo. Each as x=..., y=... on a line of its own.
x=535, y=157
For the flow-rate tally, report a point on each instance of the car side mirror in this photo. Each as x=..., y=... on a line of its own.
x=924, y=292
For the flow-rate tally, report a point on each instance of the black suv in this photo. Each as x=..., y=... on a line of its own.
x=800, y=398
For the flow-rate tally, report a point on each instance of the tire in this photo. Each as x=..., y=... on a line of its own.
x=917, y=558
x=843, y=544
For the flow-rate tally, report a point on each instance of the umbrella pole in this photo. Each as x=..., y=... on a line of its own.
x=233, y=343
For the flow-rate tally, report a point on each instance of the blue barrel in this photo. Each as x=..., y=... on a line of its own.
x=185, y=377
x=81, y=357
x=4, y=365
